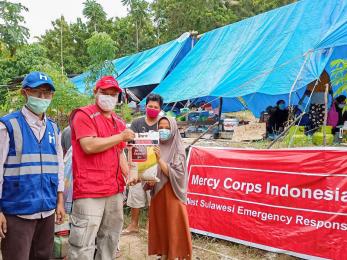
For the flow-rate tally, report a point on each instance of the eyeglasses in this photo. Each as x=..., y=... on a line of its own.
x=109, y=94
x=40, y=93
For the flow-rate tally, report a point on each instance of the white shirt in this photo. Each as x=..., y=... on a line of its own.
x=38, y=127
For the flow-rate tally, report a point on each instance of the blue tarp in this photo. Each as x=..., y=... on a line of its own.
x=229, y=104
x=260, y=58
x=148, y=67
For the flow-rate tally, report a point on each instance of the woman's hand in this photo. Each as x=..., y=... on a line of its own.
x=150, y=183
x=157, y=152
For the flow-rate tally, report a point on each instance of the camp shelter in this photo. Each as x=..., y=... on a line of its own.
x=142, y=72
x=264, y=58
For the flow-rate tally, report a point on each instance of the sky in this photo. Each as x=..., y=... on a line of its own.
x=42, y=12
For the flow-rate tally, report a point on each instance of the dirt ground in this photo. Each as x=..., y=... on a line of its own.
x=134, y=247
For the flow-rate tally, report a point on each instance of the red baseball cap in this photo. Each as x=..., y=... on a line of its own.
x=107, y=82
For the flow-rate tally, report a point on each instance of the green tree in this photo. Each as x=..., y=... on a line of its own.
x=123, y=32
x=80, y=34
x=140, y=15
x=95, y=14
x=66, y=97
x=6, y=65
x=12, y=32
x=101, y=49
x=67, y=40
x=174, y=17
x=27, y=57
x=247, y=8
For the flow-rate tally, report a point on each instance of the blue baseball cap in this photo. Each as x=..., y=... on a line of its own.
x=35, y=79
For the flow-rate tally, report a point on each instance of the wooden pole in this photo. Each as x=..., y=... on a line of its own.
x=220, y=112
x=325, y=114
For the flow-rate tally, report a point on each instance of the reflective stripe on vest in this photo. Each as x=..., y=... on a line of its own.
x=30, y=183
x=22, y=164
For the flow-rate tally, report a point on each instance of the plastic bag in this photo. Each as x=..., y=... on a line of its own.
x=143, y=163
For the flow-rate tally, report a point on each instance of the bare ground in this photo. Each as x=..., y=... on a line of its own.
x=134, y=247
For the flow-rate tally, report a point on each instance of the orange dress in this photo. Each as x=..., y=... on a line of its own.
x=169, y=233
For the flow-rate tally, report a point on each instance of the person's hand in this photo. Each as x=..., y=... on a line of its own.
x=150, y=183
x=3, y=225
x=60, y=213
x=157, y=152
x=133, y=181
x=127, y=135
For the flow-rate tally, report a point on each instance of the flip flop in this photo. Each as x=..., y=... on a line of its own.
x=118, y=254
x=128, y=232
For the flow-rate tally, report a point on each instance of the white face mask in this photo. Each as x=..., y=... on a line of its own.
x=106, y=102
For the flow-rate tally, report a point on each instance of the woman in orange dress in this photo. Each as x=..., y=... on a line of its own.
x=168, y=234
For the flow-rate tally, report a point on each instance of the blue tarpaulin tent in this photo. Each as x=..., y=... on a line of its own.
x=147, y=68
x=263, y=58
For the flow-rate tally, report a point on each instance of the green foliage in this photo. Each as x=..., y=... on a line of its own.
x=125, y=112
x=147, y=24
x=13, y=101
x=101, y=50
x=100, y=47
x=73, y=37
x=124, y=32
x=95, y=14
x=339, y=76
x=7, y=70
x=140, y=16
x=12, y=32
x=65, y=99
x=27, y=57
x=261, y=6
x=174, y=17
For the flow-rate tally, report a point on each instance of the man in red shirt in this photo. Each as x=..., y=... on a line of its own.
x=98, y=138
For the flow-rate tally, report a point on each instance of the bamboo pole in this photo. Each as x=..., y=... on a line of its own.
x=61, y=45
x=307, y=55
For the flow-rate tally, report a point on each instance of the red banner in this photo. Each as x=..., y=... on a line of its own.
x=292, y=201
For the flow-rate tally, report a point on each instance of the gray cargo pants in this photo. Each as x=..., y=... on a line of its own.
x=100, y=218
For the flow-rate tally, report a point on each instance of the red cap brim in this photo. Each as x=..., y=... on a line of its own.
x=110, y=86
